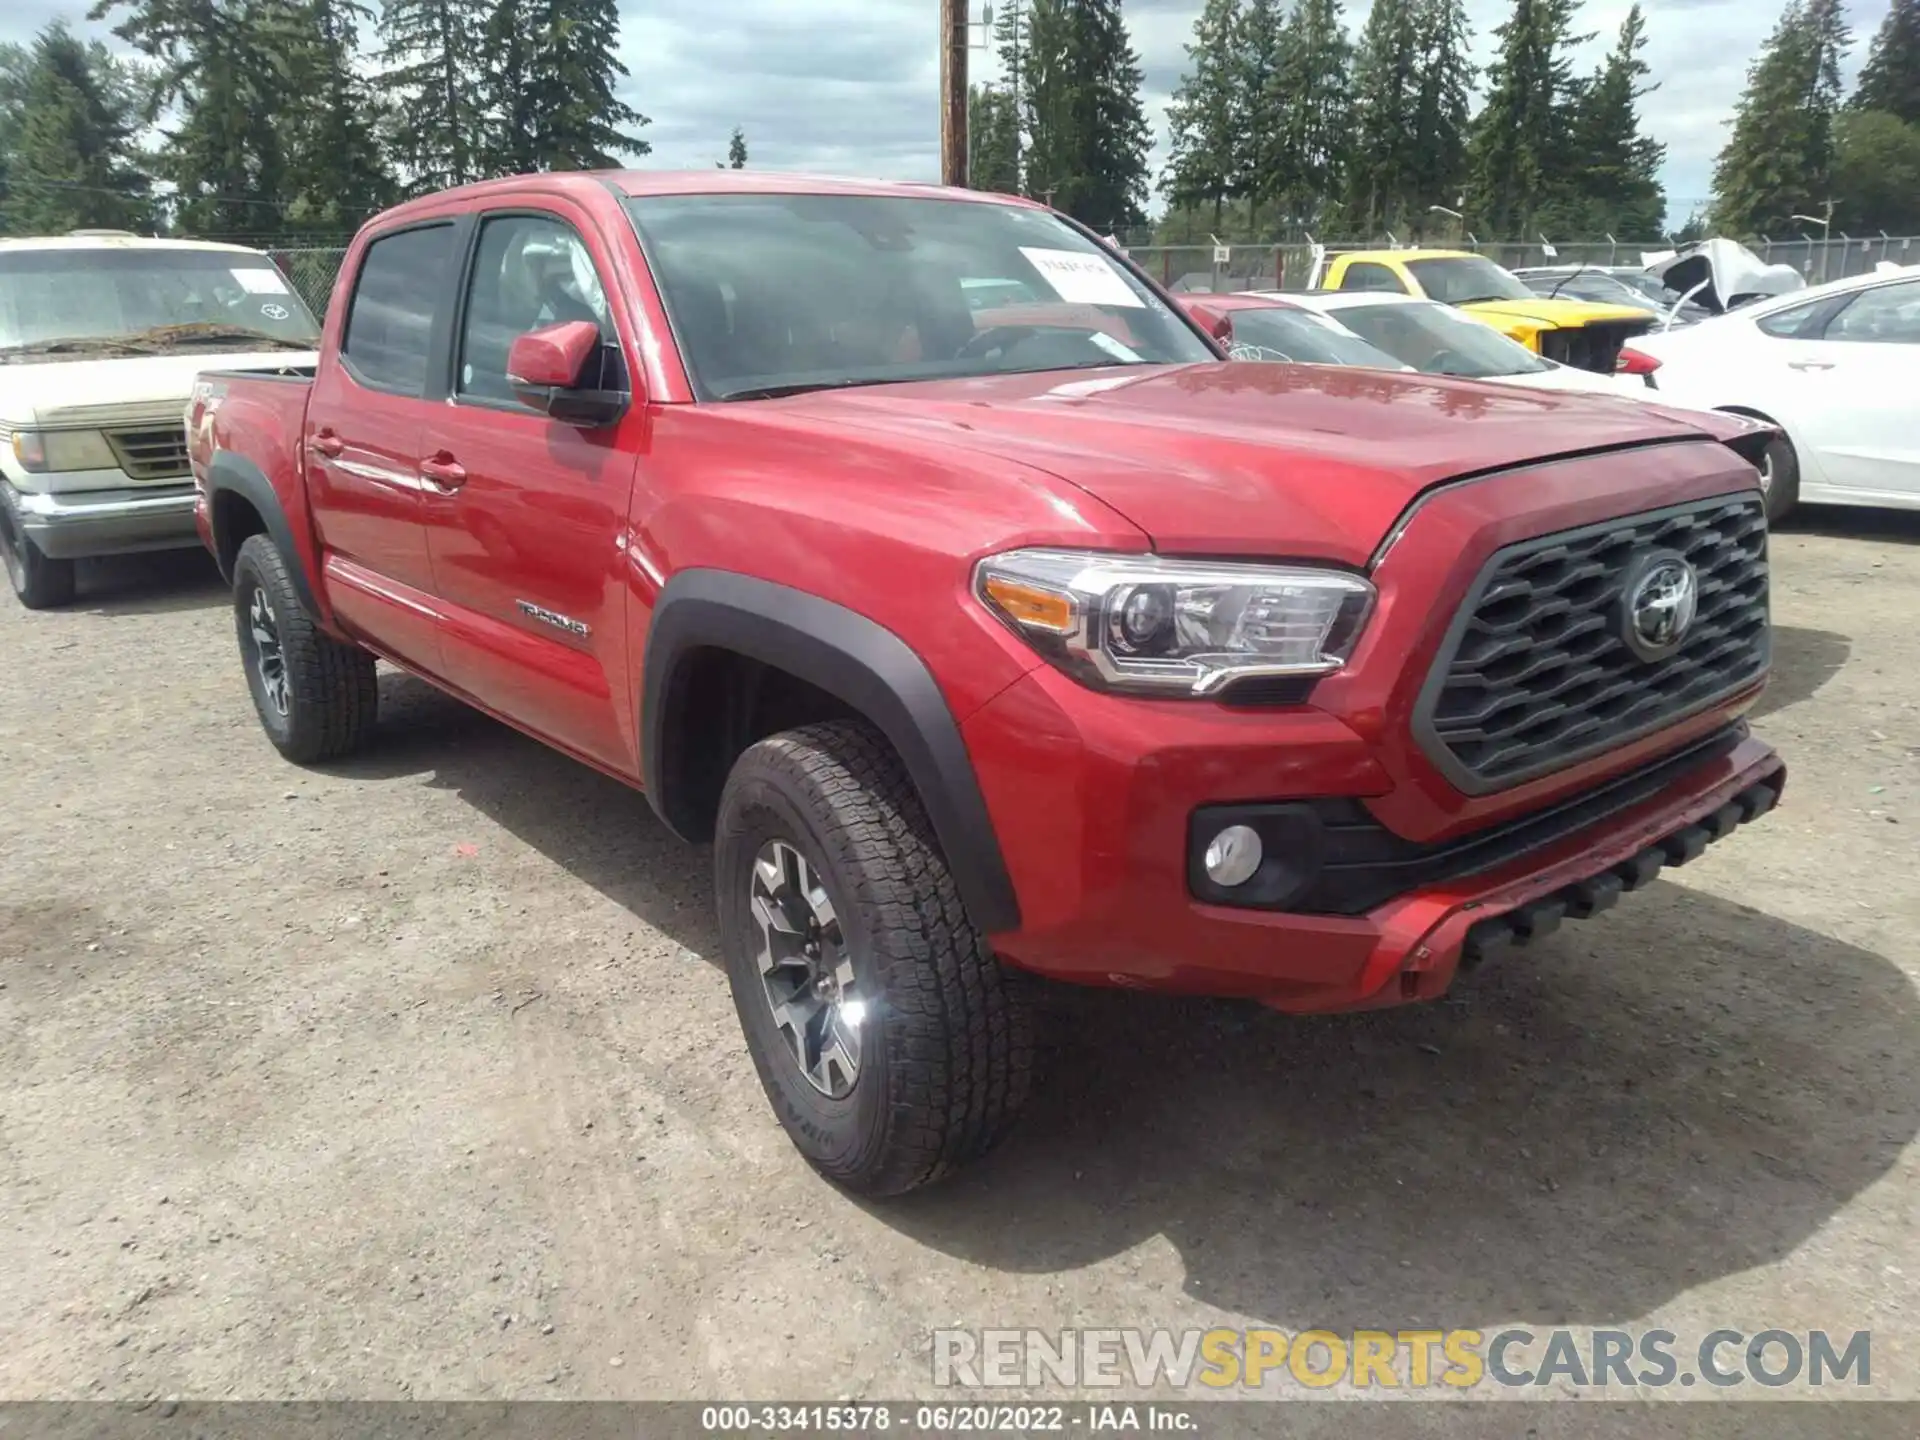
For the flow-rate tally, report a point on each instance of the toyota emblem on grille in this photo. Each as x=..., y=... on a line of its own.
x=1661, y=596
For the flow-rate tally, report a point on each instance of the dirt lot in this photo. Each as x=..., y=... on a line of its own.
x=416, y=1077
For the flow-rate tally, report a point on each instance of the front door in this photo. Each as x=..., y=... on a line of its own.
x=526, y=516
x=1860, y=380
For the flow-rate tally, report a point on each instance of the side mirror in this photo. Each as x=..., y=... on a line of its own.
x=1216, y=323
x=546, y=368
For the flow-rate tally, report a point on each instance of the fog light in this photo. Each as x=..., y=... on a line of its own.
x=1232, y=856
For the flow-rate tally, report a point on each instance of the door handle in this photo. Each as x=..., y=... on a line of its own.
x=1810, y=364
x=443, y=472
x=326, y=443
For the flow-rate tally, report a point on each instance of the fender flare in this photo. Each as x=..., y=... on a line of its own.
x=236, y=474
x=850, y=657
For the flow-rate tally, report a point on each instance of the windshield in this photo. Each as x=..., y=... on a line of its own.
x=94, y=300
x=1662, y=299
x=1436, y=341
x=782, y=293
x=1303, y=337
x=1463, y=279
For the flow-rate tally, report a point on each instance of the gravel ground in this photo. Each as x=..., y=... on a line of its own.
x=416, y=1076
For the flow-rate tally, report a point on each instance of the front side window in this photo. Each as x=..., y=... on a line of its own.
x=86, y=302
x=529, y=271
x=1884, y=315
x=1303, y=337
x=389, y=339
x=774, y=294
x=1436, y=341
x=1466, y=280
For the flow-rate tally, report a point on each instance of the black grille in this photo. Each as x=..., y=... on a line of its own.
x=1536, y=674
x=151, y=454
x=1594, y=347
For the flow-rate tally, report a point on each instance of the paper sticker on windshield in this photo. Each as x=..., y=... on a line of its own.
x=1081, y=278
x=259, y=280
x=1100, y=340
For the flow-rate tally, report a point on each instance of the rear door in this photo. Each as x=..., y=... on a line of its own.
x=362, y=441
x=526, y=518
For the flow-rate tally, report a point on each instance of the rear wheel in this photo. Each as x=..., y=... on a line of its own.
x=40, y=583
x=892, y=1044
x=317, y=697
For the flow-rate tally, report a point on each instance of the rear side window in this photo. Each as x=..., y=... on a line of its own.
x=1368, y=276
x=389, y=339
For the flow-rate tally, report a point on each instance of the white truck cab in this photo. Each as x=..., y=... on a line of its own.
x=101, y=335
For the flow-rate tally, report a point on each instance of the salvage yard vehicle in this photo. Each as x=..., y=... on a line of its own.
x=981, y=651
x=1612, y=285
x=1404, y=333
x=1255, y=326
x=1836, y=368
x=1570, y=332
x=101, y=334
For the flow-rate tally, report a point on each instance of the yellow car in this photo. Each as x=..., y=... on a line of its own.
x=1572, y=332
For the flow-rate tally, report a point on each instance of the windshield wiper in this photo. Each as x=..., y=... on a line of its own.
x=200, y=332
x=802, y=387
x=79, y=345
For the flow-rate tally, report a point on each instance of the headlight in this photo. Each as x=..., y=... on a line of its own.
x=1187, y=627
x=40, y=451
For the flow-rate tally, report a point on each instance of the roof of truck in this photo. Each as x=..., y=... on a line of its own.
x=712, y=182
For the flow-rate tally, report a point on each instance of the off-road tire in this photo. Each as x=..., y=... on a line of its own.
x=39, y=582
x=332, y=692
x=1783, y=489
x=947, y=1045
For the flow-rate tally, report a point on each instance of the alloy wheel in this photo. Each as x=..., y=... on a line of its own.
x=805, y=970
x=269, y=660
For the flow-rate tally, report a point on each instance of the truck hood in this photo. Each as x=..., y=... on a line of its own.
x=1548, y=314
x=84, y=392
x=1301, y=461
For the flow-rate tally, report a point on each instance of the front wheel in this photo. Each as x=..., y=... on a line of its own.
x=317, y=697
x=1779, y=477
x=893, y=1046
x=39, y=582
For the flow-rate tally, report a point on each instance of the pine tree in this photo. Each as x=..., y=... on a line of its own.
x=1385, y=166
x=73, y=114
x=1010, y=39
x=1263, y=167
x=337, y=174
x=1621, y=191
x=1316, y=113
x=1890, y=80
x=1089, y=135
x=225, y=72
x=551, y=101
x=1876, y=172
x=1206, y=115
x=432, y=49
x=1442, y=109
x=1521, y=158
x=993, y=140
x=1779, y=159
x=737, y=149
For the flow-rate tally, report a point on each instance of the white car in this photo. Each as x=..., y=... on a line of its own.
x=101, y=335
x=1438, y=339
x=1836, y=367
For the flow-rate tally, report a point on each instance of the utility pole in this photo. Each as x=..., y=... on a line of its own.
x=953, y=92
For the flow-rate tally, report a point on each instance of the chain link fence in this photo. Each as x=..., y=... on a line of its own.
x=313, y=270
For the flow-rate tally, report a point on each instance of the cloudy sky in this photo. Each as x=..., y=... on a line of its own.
x=848, y=86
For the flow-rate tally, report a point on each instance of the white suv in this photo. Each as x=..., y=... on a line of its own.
x=101, y=335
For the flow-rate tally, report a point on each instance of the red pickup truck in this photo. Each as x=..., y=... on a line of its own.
x=981, y=649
